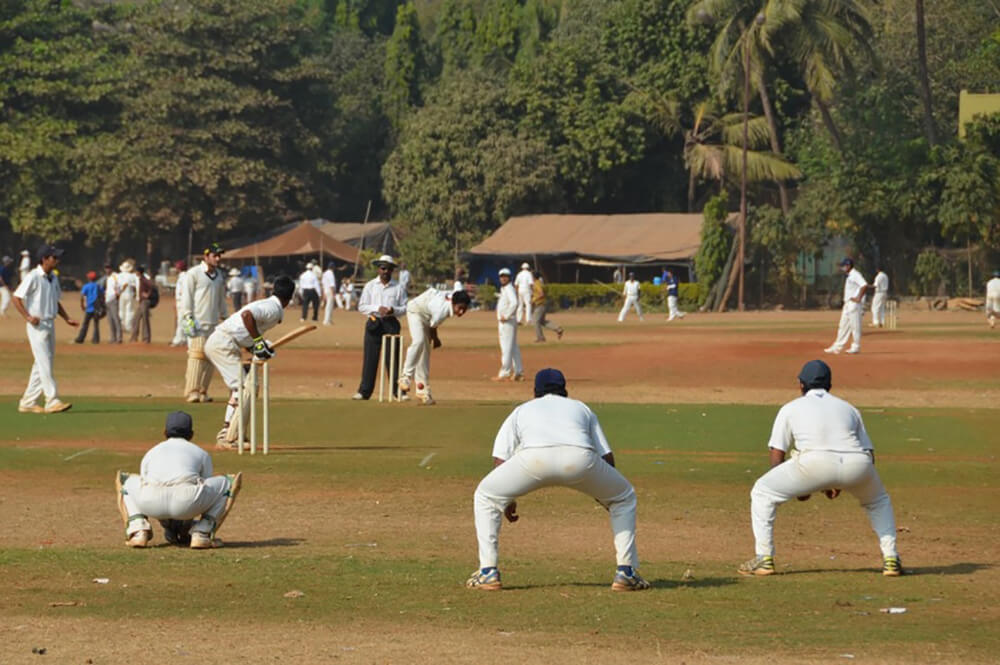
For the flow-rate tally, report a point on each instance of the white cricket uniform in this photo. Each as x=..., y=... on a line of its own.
x=428, y=310
x=308, y=280
x=24, y=267
x=850, y=314
x=329, y=283
x=457, y=286
x=178, y=306
x=993, y=299
x=234, y=285
x=112, y=288
x=404, y=279
x=553, y=441
x=128, y=299
x=510, y=352
x=881, y=283
x=249, y=289
x=40, y=294
x=5, y=297
x=631, y=293
x=523, y=282
x=204, y=298
x=224, y=344
x=175, y=482
x=834, y=452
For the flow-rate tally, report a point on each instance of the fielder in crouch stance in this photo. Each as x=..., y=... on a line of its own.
x=175, y=485
x=245, y=330
x=834, y=452
x=553, y=441
x=423, y=316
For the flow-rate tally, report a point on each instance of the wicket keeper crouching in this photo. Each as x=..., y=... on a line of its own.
x=175, y=485
x=245, y=330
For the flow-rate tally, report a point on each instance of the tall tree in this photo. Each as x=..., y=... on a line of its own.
x=405, y=65
x=925, y=81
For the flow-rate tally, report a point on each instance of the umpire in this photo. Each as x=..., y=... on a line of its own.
x=382, y=300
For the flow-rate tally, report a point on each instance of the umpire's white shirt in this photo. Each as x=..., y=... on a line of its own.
x=376, y=294
x=266, y=313
x=819, y=421
x=308, y=280
x=40, y=294
x=433, y=307
x=550, y=421
x=175, y=461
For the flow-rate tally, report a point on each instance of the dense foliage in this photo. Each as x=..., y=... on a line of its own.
x=132, y=121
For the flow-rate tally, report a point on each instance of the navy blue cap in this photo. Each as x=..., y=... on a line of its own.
x=848, y=261
x=549, y=380
x=48, y=250
x=179, y=424
x=816, y=374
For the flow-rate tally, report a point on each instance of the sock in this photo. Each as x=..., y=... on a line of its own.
x=487, y=571
x=626, y=569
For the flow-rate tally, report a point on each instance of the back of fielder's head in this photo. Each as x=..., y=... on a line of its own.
x=284, y=288
x=460, y=298
x=550, y=381
x=816, y=374
x=179, y=424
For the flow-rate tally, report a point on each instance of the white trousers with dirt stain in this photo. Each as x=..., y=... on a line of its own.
x=814, y=471
x=849, y=327
x=578, y=468
x=42, y=339
x=205, y=497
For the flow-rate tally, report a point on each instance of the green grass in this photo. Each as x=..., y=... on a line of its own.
x=354, y=471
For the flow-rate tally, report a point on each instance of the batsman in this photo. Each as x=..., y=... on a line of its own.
x=245, y=330
x=203, y=306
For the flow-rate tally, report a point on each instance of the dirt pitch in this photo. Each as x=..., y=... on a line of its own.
x=934, y=359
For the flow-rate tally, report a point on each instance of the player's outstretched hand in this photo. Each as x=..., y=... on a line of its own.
x=261, y=349
x=510, y=512
x=832, y=493
x=804, y=497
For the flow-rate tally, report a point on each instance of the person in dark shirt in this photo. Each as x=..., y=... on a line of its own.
x=92, y=303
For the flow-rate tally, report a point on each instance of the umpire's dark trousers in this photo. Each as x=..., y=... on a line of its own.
x=310, y=296
x=375, y=328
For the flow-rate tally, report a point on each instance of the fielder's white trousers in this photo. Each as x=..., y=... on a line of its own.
x=675, y=312
x=558, y=466
x=222, y=351
x=417, y=366
x=4, y=300
x=127, y=308
x=510, y=352
x=523, y=307
x=630, y=301
x=814, y=471
x=992, y=307
x=850, y=327
x=330, y=301
x=206, y=497
x=878, y=309
x=42, y=339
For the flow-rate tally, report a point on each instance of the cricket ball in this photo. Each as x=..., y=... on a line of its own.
x=420, y=386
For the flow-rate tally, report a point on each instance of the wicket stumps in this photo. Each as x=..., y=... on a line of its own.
x=890, y=314
x=249, y=384
x=395, y=369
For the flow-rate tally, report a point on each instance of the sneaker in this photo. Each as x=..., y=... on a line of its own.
x=192, y=398
x=518, y=377
x=759, y=565
x=500, y=378
x=203, y=541
x=831, y=349
x=488, y=581
x=57, y=406
x=357, y=396
x=853, y=351
x=222, y=444
x=204, y=398
x=404, y=384
x=34, y=408
x=629, y=581
x=427, y=400
x=892, y=566
x=140, y=538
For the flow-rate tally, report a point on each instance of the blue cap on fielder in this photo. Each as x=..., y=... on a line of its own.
x=549, y=380
x=816, y=374
x=179, y=424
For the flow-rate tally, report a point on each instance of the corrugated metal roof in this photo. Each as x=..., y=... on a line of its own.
x=634, y=238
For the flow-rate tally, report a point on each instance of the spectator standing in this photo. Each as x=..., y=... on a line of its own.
x=6, y=283
x=329, y=284
x=539, y=308
x=25, y=266
x=235, y=288
x=522, y=283
x=112, y=289
x=309, y=291
x=128, y=294
x=142, y=317
x=91, y=302
x=404, y=277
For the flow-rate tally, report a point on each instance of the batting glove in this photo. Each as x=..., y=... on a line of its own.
x=189, y=326
x=261, y=349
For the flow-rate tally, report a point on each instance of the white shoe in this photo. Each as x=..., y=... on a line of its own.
x=140, y=538
x=33, y=408
x=57, y=406
x=404, y=384
x=203, y=541
x=357, y=396
x=853, y=351
x=832, y=350
x=427, y=400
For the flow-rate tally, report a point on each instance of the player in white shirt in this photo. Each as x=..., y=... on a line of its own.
x=510, y=353
x=245, y=330
x=179, y=337
x=175, y=485
x=309, y=292
x=24, y=267
x=329, y=284
x=424, y=314
x=522, y=284
x=403, y=277
x=202, y=309
x=993, y=299
x=881, y=285
x=6, y=277
x=382, y=301
x=549, y=441
x=37, y=300
x=855, y=288
x=631, y=293
x=832, y=453
x=112, y=289
x=234, y=287
x=128, y=295
x=345, y=294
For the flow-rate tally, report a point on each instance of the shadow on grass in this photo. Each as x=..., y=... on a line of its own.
x=661, y=583
x=271, y=542
x=951, y=569
x=332, y=449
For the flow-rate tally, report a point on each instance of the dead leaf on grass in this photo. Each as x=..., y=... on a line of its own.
x=65, y=603
x=295, y=593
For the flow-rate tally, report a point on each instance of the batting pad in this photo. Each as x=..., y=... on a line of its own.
x=197, y=365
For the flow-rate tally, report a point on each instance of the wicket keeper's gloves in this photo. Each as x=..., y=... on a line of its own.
x=189, y=326
x=261, y=349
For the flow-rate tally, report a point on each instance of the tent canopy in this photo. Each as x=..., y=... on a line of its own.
x=297, y=240
x=639, y=238
x=377, y=236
